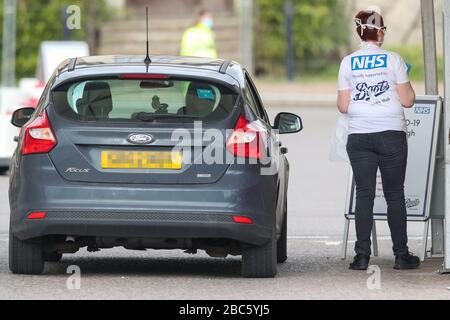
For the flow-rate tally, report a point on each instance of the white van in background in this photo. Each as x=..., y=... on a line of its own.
x=27, y=94
x=9, y=101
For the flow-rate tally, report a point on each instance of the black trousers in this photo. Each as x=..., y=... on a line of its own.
x=388, y=151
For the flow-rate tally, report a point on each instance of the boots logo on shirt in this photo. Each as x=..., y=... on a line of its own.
x=368, y=62
x=367, y=92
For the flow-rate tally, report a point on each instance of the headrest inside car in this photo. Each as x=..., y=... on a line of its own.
x=96, y=102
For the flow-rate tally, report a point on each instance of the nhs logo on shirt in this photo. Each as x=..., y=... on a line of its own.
x=368, y=62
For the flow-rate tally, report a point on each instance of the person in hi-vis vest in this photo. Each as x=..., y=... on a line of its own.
x=198, y=41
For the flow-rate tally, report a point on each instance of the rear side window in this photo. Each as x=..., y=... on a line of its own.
x=143, y=100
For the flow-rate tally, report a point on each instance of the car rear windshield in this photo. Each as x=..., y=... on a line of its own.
x=143, y=100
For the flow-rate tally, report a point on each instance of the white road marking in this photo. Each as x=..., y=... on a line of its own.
x=309, y=237
x=382, y=238
x=317, y=238
x=333, y=243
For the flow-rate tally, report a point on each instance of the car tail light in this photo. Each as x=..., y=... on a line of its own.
x=247, y=140
x=37, y=215
x=38, y=136
x=241, y=219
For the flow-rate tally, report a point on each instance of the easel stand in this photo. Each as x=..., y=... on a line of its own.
x=348, y=219
x=425, y=184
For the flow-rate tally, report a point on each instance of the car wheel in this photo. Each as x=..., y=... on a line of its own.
x=282, y=240
x=25, y=257
x=260, y=261
x=3, y=170
x=52, y=256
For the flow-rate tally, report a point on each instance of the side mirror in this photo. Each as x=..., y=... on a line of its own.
x=21, y=116
x=287, y=122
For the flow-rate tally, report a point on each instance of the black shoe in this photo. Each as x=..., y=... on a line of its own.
x=360, y=262
x=406, y=261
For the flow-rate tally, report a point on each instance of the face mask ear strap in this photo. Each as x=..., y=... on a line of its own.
x=360, y=25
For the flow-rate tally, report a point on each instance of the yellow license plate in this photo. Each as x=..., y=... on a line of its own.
x=141, y=160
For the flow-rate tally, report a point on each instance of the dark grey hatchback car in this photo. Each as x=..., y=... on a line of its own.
x=177, y=153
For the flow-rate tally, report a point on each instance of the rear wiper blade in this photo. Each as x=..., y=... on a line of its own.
x=151, y=117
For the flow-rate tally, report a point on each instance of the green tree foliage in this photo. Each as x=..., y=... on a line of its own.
x=37, y=21
x=320, y=32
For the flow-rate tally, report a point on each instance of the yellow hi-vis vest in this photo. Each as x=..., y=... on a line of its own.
x=198, y=41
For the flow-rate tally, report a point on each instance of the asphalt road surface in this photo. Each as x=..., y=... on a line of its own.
x=314, y=269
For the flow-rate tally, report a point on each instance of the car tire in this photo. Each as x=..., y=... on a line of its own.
x=52, y=256
x=260, y=261
x=282, y=240
x=25, y=256
x=3, y=170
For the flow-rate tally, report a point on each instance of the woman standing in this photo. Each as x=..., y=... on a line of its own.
x=373, y=90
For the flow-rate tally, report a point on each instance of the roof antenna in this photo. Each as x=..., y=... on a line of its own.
x=147, y=60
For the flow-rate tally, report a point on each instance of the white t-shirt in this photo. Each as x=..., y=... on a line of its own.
x=372, y=74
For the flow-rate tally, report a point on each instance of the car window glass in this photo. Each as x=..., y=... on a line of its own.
x=250, y=101
x=124, y=100
x=257, y=103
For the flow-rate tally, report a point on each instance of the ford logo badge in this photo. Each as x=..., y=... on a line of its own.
x=140, y=138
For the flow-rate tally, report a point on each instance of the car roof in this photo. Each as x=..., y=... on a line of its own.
x=99, y=65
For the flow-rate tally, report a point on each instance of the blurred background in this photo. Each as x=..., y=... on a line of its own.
x=299, y=40
x=292, y=47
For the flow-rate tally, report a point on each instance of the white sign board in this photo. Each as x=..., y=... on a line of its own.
x=422, y=125
x=52, y=53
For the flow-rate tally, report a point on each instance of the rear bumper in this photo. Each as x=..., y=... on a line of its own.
x=158, y=225
x=141, y=211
